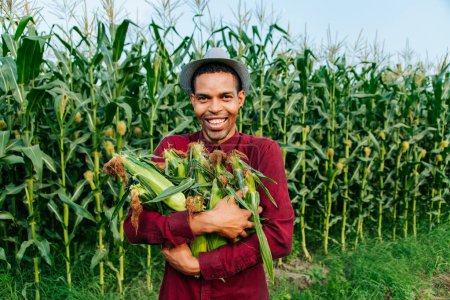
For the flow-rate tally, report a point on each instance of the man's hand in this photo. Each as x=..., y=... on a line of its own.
x=181, y=259
x=226, y=219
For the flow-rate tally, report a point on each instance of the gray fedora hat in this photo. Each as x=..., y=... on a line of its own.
x=213, y=55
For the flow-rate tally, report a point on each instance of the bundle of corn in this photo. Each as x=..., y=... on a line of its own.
x=194, y=181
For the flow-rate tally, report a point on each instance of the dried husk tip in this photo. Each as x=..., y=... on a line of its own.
x=136, y=208
x=194, y=204
x=114, y=167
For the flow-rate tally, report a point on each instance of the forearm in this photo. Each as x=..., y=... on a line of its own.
x=202, y=223
x=155, y=228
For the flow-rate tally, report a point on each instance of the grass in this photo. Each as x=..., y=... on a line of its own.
x=17, y=282
x=405, y=269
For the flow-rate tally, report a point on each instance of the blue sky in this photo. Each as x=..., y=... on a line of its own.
x=423, y=23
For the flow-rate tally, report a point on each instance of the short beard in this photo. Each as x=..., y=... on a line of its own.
x=214, y=139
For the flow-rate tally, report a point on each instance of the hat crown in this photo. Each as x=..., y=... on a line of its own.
x=216, y=53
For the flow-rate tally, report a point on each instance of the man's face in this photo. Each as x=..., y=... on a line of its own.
x=216, y=103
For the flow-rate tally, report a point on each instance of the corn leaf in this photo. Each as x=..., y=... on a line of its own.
x=34, y=153
x=23, y=247
x=79, y=210
x=4, y=138
x=29, y=58
x=54, y=209
x=258, y=181
x=98, y=256
x=21, y=27
x=3, y=257
x=266, y=254
x=8, y=77
x=78, y=190
x=44, y=250
x=184, y=185
x=120, y=204
x=241, y=201
x=4, y=215
x=49, y=162
x=256, y=172
x=8, y=45
x=119, y=39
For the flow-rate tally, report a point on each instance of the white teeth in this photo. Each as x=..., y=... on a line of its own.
x=216, y=121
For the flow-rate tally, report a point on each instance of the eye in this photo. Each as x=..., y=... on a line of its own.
x=227, y=96
x=201, y=98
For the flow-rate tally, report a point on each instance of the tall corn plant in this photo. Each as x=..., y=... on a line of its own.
x=86, y=60
x=304, y=65
x=22, y=59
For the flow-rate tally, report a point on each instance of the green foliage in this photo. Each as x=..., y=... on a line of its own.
x=408, y=269
x=366, y=145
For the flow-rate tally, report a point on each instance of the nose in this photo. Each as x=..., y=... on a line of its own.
x=215, y=106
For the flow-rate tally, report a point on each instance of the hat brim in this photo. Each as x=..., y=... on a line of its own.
x=189, y=69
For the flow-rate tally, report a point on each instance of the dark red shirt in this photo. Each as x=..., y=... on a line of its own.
x=233, y=271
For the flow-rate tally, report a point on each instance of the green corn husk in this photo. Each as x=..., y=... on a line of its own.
x=175, y=162
x=211, y=241
x=234, y=159
x=199, y=165
x=200, y=244
x=148, y=177
x=252, y=199
x=246, y=180
x=207, y=182
x=214, y=240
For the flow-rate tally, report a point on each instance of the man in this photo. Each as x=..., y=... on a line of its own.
x=217, y=87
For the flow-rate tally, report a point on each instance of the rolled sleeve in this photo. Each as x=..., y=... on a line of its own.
x=180, y=228
x=157, y=229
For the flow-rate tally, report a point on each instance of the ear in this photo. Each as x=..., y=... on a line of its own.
x=192, y=98
x=241, y=98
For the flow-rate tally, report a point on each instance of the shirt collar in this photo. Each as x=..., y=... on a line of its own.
x=226, y=146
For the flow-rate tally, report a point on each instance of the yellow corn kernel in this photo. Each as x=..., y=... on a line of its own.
x=121, y=128
x=109, y=147
x=89, y=176
x=78, y=118
x=330, y=152
x=109, y=132
x=405, y=146
x=137, y=131
x=3, y=125
x=340, y=164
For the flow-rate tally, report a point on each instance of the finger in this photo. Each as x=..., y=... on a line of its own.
x=243, y=234
x=250, y=225
x=260, y=209
x=247, y=213
x=229, y=199
x=240, y=193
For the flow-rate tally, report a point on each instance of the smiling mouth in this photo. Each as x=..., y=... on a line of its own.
x=216, y=121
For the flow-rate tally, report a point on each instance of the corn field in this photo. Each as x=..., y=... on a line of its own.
x=365, y=143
